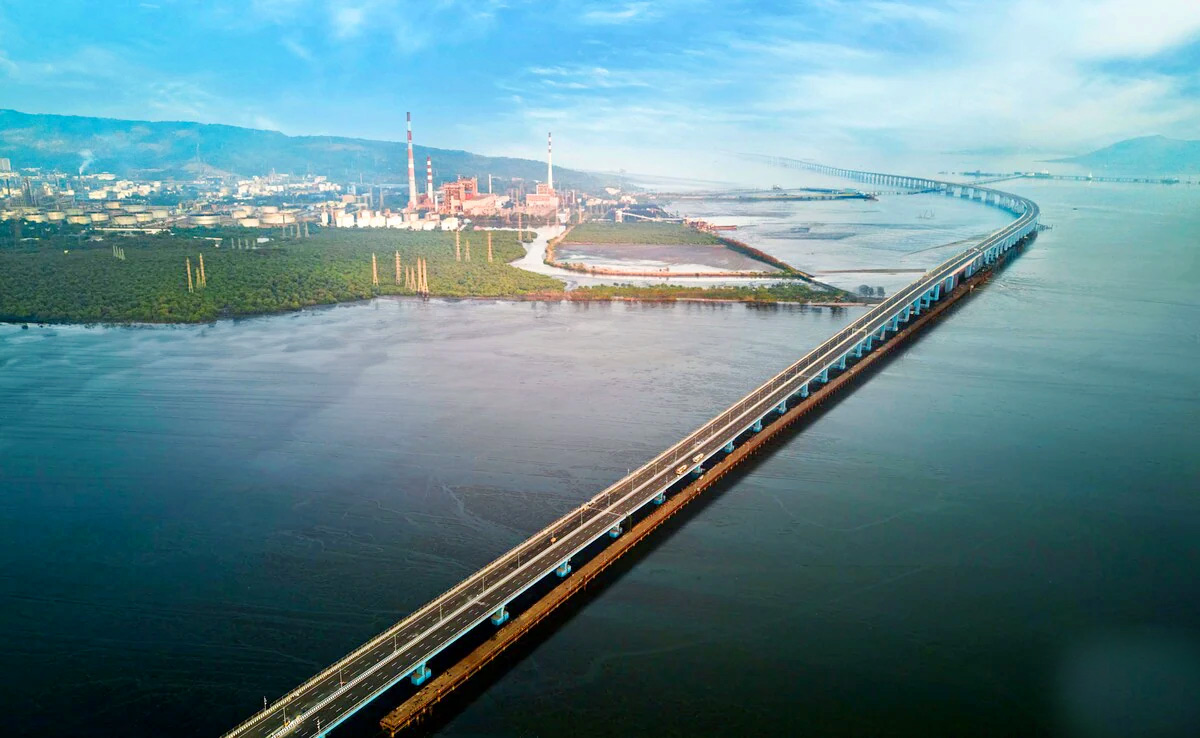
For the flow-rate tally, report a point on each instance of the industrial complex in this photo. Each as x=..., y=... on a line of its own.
x=104, y=201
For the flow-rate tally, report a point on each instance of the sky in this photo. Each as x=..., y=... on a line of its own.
x=660, y=86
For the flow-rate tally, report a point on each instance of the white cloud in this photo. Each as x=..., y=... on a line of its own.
x=606, y=15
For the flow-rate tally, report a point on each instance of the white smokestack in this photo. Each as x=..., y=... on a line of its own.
x=549, y=161
x=429, y=179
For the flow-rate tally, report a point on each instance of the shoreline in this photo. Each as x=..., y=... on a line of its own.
x=532, y=297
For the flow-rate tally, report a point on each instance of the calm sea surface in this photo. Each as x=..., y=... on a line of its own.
x=996, y=534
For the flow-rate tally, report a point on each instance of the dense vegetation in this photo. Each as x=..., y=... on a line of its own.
x=791, y=291
x=640, y=232
x=63, y=278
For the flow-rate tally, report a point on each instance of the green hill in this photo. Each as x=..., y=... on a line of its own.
x=169, y=150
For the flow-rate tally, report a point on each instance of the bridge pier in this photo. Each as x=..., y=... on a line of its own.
x=729, y=447
x=563, y=569
x=824, y=376
x=615, y=531
x=841, y=363
x=804, y=391
x=500, y=617
x=660, y=498
x=757, y=426
x=420, y=675
x=782, y=408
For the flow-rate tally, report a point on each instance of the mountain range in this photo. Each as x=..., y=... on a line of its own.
x=163, y=150
x=1148, y=155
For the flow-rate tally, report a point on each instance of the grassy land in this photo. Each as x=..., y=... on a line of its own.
x=640, y=232
x=783, y=292
x=59, y=279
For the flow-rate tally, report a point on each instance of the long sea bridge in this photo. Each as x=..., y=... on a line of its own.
x=556, y=561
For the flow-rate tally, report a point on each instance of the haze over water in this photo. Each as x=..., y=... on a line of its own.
x=976, y=540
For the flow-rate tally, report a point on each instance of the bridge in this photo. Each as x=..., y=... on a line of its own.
x=618, y=516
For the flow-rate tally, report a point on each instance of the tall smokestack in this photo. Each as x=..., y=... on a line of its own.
x=429, y=180
x=549, y=161
x=412, y=172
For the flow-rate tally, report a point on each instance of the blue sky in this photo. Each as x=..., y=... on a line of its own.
x=646, y=86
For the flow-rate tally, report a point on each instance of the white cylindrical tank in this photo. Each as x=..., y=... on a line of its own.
x=74, y=211
x=160, y=213
x=133, y=207
x=142, y=217
x=78, y=219
x=54, y=216
x=248, y=222
x=268, y=209
x=35, y=218
x=98, y=217
x=205, y=220
x=112, y=205
x=272, y=218
x=124, y=220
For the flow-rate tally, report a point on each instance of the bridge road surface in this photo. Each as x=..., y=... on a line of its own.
x=322, y=702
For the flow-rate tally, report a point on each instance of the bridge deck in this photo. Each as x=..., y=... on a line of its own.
x=328, y=698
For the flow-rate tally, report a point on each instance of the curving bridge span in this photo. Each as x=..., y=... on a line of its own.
x=601, y=527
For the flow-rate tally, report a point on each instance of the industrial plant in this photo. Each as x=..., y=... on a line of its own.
x=101, y=201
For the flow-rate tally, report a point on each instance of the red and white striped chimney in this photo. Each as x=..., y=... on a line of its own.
x=412, y=172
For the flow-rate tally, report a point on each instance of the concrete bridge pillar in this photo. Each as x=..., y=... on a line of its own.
x=782, y=408
x=896, y=323
x=841, y=363
x=420, y=675
x=824, y=376
x=937, y=291
x=500, y=617
x=563, y=569
x=729, y=447
x=660, y=498
x=804, y=390
x=615, y=531
x=757, y=426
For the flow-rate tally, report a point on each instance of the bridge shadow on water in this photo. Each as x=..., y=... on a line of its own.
x=366, y=721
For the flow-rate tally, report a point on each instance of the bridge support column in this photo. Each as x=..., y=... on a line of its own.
x=420, y=675
x=615, y=531
x=782, y=408
x=660, y=498
x=729, y=447
x=563, y=569
x=500, y=617
x=937, y=291
x=757, y=425
x=841, y=363
x=803, y=391
x=824, y=376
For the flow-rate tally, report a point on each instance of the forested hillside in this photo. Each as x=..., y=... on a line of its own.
x=181, y=149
